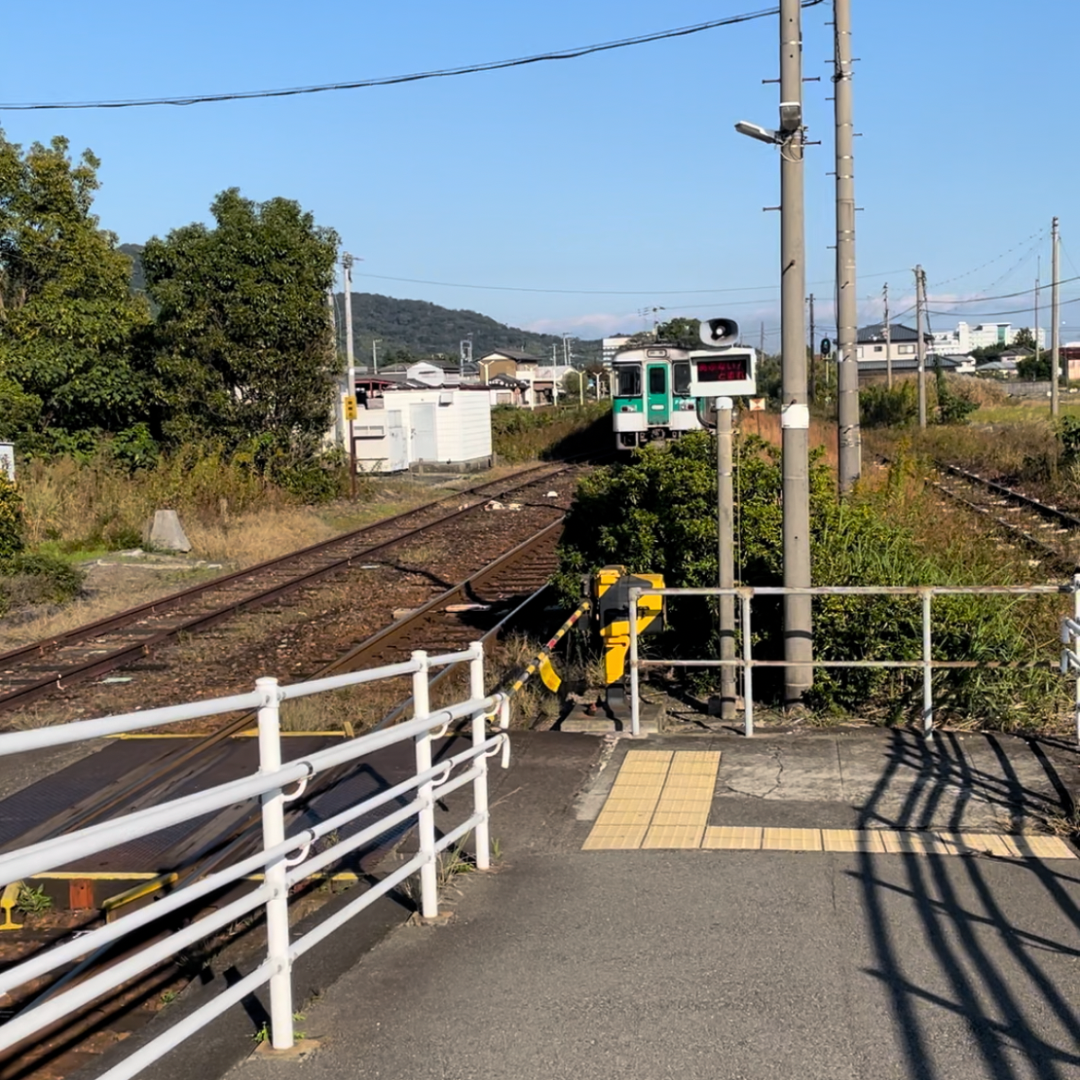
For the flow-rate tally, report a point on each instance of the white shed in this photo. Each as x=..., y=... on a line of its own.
x=424, y=428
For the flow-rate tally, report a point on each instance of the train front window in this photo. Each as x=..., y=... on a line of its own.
x=657, y=380
x=680, y=379
x=629, y=381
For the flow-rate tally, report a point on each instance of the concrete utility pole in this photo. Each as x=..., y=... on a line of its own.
x=339, y=412
x=375, y=356
x=1055, y=316
x=888, y=339
x=795, y=416
x=813, y=352
x=920, y=345
x=350, y=386
x=1038, y=276
x=761, y=343
x=725, y=502
x=847, y=366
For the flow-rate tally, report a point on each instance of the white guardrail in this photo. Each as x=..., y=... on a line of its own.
x=283, y=861
x=744, y=595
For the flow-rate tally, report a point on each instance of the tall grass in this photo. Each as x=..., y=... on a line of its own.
x=526, y=435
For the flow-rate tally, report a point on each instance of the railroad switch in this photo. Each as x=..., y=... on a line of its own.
x=611, y=606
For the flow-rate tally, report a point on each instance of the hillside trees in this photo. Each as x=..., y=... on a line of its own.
x=243, y=348
x=67, y=318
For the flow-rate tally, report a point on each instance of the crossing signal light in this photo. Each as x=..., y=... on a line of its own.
x=350, y=407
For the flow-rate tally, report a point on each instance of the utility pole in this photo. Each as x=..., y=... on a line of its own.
x=375, y=356
x=1055, y=317
x=795, y=416
x=888, y=339
x=813, y=352
x=1038, y=276
x=761, y=342
x=920, y=345
x=339, y=412
x=847, y=367
x=725, y=502
x=346, y=265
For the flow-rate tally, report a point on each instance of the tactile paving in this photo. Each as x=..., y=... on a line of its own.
x=733, y=837
x=662, y=799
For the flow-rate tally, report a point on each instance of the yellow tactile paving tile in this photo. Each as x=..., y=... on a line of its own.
x=630, y=790
x=733, y=837
x=954, y=843
x=674, y=836
x=1042, y=847
x=897, y=842
x=851, y=840
x=791, y=840
x=681, y=817
x=625, y=817
x=649, y=761
x=615, y=838
x=697, y=757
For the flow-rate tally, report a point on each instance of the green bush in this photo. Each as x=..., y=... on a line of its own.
x=11, y=518
x=658, y=514
x=37, y=579
x=882, y=407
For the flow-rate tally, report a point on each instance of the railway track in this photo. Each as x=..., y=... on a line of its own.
x=1048, y=531
x=92, y=650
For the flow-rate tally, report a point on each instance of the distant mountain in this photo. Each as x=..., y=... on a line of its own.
x=419, y=328
x=134, y=253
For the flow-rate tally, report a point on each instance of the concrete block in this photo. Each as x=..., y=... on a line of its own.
x=167, y=533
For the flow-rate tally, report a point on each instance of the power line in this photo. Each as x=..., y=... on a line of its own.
x=1015, y=311
x=597, y=292
x=392, y=80
x=967, y=273
x=1002, y=296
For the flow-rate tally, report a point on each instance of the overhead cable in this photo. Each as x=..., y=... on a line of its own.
x=392, y=80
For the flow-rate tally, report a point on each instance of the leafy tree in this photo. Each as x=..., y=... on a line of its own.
x=1034, y=368
x=1025, y=339
x=243, y=345
x=681, y=332
x=67, y=318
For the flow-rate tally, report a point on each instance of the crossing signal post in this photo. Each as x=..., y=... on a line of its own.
x=724, y=371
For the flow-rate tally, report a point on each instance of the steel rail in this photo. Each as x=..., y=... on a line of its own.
x=173, y=760
x=154, y=607
x=110, y=662
x=1016, y=496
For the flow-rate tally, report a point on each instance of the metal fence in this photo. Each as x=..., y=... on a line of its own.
x=282, y=862
x=747, y=663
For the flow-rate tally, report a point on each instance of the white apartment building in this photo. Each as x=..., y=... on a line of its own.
x=964, y=338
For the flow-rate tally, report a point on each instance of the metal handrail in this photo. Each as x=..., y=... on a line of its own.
x=745, y=594
x=283, y=861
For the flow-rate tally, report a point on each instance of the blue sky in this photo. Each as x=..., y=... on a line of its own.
x=617, y=178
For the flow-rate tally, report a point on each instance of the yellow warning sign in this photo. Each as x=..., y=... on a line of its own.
x=350, y=407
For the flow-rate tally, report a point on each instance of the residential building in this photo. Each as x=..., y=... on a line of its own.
x=505, y=362
x=965, y=337
x=870, y=343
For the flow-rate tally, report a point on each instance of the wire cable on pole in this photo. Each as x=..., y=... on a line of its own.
x=394, y=80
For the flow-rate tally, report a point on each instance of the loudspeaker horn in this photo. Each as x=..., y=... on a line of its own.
x=717, y=333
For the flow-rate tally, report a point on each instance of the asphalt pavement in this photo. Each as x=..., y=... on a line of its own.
x=742, y=965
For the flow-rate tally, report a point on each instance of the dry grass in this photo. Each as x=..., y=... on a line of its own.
x=767, y=426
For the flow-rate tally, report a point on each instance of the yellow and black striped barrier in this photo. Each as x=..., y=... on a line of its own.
x=542, y=661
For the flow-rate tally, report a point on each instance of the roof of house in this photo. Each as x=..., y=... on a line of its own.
x=508, y=380
x=513, y=354
x=899, y=333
